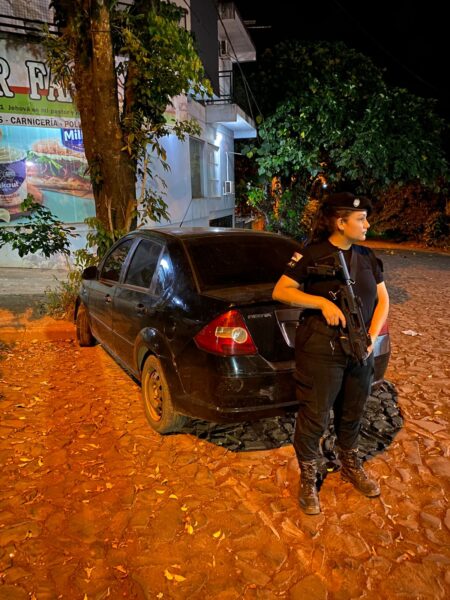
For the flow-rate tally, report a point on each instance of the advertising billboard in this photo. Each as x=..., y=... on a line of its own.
x=41, y=142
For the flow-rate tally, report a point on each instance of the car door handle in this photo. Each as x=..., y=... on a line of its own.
x=140, y=309
x=108, y=298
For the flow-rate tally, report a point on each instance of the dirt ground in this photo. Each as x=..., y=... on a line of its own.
x=94, y=505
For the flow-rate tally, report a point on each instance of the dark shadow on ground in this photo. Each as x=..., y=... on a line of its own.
x=382, y=421
x=19, y=304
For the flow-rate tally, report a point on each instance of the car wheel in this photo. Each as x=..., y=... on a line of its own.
x=157, y=400
x=84, y=333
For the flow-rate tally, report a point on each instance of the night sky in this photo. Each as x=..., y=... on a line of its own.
x=410, y=39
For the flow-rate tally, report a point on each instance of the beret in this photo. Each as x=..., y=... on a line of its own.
x=347, y=201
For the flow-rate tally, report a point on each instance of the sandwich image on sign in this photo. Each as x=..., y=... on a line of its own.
x=50, y=165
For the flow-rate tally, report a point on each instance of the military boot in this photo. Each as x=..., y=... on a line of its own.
x=353, y=471
x=309, y=497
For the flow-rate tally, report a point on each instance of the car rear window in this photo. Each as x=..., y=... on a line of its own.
x=239, y=260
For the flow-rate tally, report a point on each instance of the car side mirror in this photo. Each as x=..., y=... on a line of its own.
x=90, y=273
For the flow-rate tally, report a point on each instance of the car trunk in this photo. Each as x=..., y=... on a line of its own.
x=271, y=325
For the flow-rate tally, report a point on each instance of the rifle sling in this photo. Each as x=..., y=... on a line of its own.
x=353, y=264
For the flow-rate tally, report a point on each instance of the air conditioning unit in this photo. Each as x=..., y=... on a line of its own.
x=223, y=48
x=228, y=187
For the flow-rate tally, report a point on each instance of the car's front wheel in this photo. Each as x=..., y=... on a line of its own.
x=84, y=332
x=157, y=399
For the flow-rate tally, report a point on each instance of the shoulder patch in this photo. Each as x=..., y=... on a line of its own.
x=294, y=260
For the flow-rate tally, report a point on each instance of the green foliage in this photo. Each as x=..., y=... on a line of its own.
x=257, y=196
x=335, y=119
x=281, y=210
x=397, y=140
x=412, y=212
x=159, y=62
x=41, y=231
x=60, y=301
x=293, y=67
x=285, y=219
x=100, y=237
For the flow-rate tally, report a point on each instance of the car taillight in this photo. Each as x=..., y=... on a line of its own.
x=227, y=335
x=385, y=329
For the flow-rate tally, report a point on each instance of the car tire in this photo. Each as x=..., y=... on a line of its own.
x=84, y=332
x=158, y=405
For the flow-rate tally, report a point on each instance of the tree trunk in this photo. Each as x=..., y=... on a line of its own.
x=113, y=171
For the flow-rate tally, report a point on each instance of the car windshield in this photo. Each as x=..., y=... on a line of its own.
x=227, y=261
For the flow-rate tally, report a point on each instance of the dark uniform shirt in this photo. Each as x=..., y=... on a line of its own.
x=365, y=270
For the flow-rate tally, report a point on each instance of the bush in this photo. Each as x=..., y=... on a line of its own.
x=60, y=302
x=412, y=213
x=40, y=231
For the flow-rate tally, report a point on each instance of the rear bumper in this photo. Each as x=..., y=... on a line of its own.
x=241, y=388
x=234, y=388
x=241, y=399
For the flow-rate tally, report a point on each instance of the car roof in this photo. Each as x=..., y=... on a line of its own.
x=196, y=232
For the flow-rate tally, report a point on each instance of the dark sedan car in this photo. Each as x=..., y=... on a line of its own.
x=189, y=312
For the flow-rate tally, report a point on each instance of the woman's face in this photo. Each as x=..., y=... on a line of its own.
x=354, y=227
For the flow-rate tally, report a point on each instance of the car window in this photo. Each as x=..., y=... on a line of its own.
x=225, y=261
x=164, y=275
x=114, y=262
x=143, y=264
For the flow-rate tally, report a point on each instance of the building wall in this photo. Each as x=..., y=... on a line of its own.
x=183, y=207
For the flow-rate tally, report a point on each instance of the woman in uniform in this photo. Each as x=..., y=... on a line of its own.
x=327, y=377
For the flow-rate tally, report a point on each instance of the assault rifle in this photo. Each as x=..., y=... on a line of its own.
x=354, y=339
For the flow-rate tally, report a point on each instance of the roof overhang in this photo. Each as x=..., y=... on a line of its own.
x=232, y=117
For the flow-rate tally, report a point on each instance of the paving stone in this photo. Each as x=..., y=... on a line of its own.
x=440, y=466
x=311, y=587
x=438, y=558
x=14, y=574
x=11, y=592
x=412, y=580
x=447, y=519
x=87, y=523
x=412, y=452
x=283, y=580
x=431, y=520
x=45, y=592
x=277, y=554
x=250, y=574
x=18, y=532
x=139, y=519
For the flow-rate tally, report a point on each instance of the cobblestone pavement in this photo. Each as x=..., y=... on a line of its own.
x=94, y=505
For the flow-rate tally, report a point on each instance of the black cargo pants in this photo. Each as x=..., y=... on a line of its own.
x=326, y=378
